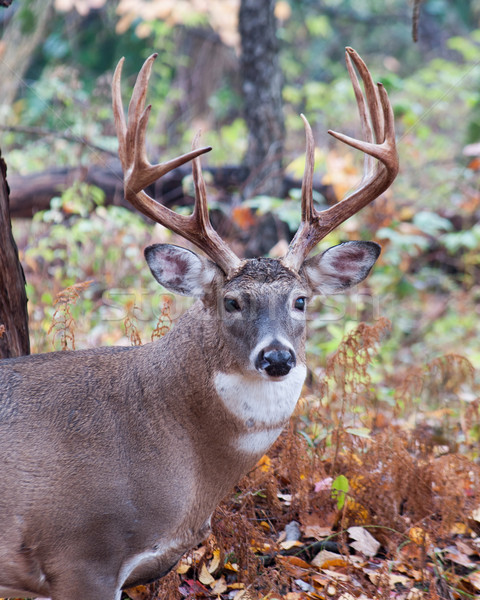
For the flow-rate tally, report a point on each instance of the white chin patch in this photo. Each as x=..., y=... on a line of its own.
x=261, y=402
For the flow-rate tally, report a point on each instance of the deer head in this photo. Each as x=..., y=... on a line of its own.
x=241, y=291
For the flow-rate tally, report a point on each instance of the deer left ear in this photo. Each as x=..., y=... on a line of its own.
x=340, y=267
x=180, y=270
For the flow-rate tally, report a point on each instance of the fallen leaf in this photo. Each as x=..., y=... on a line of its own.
x=465, y=548
x=320, y=580
x=198, y=554
x=236, y=586
x=474, y=579
x=139, y=592
x=476, y=514
x=205, y=577
x=360, y=512
x=293, y=568
x=317, y=532
x=459, y=529
x=325, y=559
x=323, y=484
x=364, y=541
x=415, y=594
x=264, y=464
x=184, y=566
x=243, y=595
x=419, y=536
x=220, y=586
x=295, y=560
x=194, y=587
x=460, y=559
x=215, y=562
x=394, y=578
x=287, y=544
x=336, y=575
x=374, y=576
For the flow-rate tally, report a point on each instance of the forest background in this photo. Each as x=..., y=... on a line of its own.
x=407, y=368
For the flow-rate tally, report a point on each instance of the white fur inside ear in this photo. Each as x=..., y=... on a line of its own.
x=179, y=270
x=341, y=267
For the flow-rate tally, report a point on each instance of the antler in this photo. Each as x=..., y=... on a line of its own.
x=139, y=173
x=376, y=179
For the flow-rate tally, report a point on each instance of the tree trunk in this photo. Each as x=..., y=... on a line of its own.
x=14, y=340
x=262, y=90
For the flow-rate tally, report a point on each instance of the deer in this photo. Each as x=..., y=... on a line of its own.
x=114, y=458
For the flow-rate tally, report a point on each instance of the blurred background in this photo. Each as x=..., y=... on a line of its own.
x=242, y=74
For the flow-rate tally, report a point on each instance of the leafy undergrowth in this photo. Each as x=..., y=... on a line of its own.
x=407, y=529
x=381, y=510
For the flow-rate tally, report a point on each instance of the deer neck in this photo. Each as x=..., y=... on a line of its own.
x=236, y=412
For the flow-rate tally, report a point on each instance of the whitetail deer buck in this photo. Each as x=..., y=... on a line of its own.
x=114, y=459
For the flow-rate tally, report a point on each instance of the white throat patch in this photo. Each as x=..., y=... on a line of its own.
x=260, y=402
x=263, y=405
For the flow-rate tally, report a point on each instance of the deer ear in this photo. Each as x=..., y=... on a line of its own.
x=340, y=267
x=179, y=270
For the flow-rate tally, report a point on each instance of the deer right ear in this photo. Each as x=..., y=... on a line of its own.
x=179, y=270
x=341, y=267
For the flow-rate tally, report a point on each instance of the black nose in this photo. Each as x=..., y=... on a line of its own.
x=276, y=362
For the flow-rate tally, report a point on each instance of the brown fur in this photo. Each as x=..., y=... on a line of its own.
x=109, y=452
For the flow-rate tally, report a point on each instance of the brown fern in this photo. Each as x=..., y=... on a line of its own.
x=164, y=322
x=63, y=323
x=130, y=324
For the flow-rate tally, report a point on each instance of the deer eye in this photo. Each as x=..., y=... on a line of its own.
x=300, y=303
x=231, y=305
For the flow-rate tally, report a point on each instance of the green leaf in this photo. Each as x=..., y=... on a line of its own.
x=431, y=223
x=340, y=487
x=363, y=432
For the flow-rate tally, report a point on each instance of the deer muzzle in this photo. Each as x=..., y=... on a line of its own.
x=276, y=361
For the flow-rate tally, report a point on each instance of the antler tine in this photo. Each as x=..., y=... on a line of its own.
x=362, y=111
x=316, y=225
x=139, y=173
x=131, y=134
x=200, y=211
x=118, y=114
x=212, y=243
x=370, y=92
x=307, y=183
